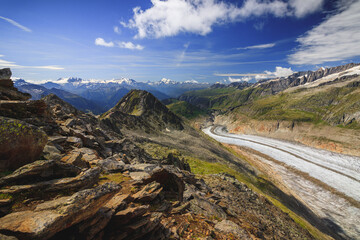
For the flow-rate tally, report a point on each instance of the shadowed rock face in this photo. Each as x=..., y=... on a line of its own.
x=7, y=89
x=20, y=143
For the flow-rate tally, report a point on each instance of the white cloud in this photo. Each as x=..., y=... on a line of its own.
x=117, y=30
x=302, y=8
x=280, y=72
x=335, y=39
x=16, y=24
x=102, y=42
x=170, y=17
x=130, y=45
x=261, y=46
x=8, y=64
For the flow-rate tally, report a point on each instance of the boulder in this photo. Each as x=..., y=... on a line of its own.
x=84, y=180
x=111, y=164
x=20, y=143
x=40, y=171
x=51, y=152
x=227, y=226
x=54, y=216
x=5, y=73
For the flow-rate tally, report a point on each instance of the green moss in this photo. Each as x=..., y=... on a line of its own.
x=5, y=196
x=112, y=177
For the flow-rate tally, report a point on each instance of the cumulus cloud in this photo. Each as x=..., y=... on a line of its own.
x=335, y=39
x=261, y=46
x=130, y=45
x=170, y=17
x=280, y=72
x=102, y=42
x=16, y=24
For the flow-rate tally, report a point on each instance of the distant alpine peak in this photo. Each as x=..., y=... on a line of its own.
x=191, y=81
x=127, y=81
x=167, y=81
x=68, y=80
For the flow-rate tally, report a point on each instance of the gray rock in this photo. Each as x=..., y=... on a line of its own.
x=227, y=226
x=51, y=153
x=5, y=73
x=111, y=164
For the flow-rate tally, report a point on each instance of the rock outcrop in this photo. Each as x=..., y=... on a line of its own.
x=20, y=143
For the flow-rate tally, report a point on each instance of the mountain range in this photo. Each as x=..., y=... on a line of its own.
x=99, y=96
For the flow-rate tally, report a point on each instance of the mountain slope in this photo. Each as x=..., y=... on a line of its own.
x=145, y=111
x=37, y=92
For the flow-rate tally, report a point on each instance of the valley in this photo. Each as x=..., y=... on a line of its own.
x=324, y=181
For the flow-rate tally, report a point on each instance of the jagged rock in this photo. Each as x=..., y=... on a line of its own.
x=111, y=164
x=83, y=180
x=53, y=216
x=7, y=89
x=202, y=206
x=4, y=237
x=75, y=141
x=172, y=184
x=51, y=153
x=227, y=226
x=127, y=215
x=6, y=83
x=75, y=158
x=59, y=108
x=132, y=153
x=57, y=139
x=40, y=171
x=173, y=160
x=91, y=227
x=181, y=208
x=89, y=155
x=23, y=109
x=20, y=143
x=139, y=176
x=5, y=73
x=148, y=193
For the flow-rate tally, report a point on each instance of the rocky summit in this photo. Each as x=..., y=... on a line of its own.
x=66, y=174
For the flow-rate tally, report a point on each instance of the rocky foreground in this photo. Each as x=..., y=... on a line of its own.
x=70, y=175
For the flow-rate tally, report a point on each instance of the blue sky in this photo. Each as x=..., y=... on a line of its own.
x=203, y=40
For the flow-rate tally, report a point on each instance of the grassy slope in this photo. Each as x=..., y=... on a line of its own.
x=326, y=105
x=185, y=109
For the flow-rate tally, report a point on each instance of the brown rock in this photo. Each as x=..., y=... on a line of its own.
x=127, y=215
x=75, y=158
x=7, y=83
x=54, y=216
x=20, y=143
x=83, y=180
x=148, y=193
x=40, y=171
